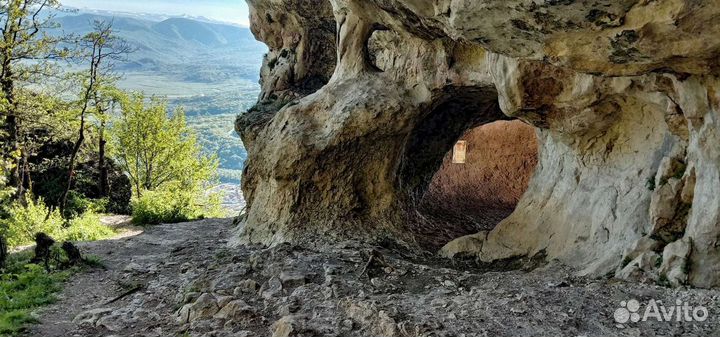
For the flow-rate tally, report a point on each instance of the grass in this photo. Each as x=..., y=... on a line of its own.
x=23, y=289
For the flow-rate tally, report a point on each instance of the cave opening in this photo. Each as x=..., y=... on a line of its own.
x=467, y=166
x=482, y=180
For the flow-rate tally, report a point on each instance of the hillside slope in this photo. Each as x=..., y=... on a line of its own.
x=178, y=42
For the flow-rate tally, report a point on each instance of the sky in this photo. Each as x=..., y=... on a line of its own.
x=235, y=11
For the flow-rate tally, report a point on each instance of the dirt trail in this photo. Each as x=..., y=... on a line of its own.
x=133, y=260
x=183, y=280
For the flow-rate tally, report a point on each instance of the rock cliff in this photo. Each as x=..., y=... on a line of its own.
x=362, y=100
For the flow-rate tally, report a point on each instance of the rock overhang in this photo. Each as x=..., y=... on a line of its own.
x=614, y=88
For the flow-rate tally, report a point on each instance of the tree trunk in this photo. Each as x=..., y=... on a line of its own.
x=103, y=184
x=12, y=128
x=71, y=166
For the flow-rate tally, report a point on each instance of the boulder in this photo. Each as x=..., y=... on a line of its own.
x=675, y=263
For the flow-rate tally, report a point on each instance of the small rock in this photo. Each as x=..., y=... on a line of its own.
x=675, y=262
x=228, y=280
x=246, y=287
x=90, y=317
x=285, y=327
x=234, y=310
x=114, y=322
x=559, y=284
x=641, y=268
x=272, y=288
x=191, y=297
x=292, y=280
x=204, y=307
x=223, y=300
x=183, y=315
x=292, y=306
x=449, y=284
x=386, y=325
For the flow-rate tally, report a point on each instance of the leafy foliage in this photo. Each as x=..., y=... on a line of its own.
x=172, y=205
x=164, y=161
x=24, y=220
x=156, y=150
x=55, y=173
x=6, y=165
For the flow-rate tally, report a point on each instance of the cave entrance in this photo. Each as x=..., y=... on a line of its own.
x=467, y=167
x=475, y=190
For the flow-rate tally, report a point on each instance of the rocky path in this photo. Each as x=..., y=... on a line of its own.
x=146, y=266
x=183, y=280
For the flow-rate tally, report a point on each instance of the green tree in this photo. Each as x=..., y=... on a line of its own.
x=158, y=150
x=25, y=51
x=101, y=50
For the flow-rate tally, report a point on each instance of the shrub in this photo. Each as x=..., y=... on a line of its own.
x=174, y=205
x=79, y=204
x=24, y=221
x=49, y=172
x=86, y=228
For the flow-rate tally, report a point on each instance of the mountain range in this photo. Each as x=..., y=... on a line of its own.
x=173, y=44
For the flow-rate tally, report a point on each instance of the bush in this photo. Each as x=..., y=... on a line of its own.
x=86, y=228
x=23, y=222
x=173, y=206
x=79, y=204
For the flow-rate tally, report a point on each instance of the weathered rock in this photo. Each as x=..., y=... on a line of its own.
x=675, y=264
x=191, y=297
x=467, y=245
x=224, y=300
x=206, y=306
x=547, y=301
x=354, y=121
x=236, y=310
x=286, y=326
x=113, y=322
x=272, y=288
x=90, y=317
x=641, y=268
x=227, y=282
x=292, y=279
x=246, y=287
x=374, y=322
x=643, y=245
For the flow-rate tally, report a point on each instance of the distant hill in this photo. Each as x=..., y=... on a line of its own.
x=167, y=45
x=207, y=34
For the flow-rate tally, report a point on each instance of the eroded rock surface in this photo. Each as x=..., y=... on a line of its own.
x=623, y=96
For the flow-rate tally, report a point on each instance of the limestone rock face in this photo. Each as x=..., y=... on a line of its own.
x=363, y=99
